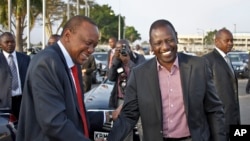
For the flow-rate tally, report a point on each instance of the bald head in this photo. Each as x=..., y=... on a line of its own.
x=224, y=40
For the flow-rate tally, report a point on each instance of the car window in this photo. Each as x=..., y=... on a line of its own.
x=238, y=56
x=101, y=56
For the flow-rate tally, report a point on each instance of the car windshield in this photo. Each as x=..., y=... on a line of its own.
x=101, y=56
x=238, y=57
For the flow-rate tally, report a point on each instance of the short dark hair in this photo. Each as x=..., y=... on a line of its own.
x=56, y=36
x=113, y=38
x=160, y=23
x=6, y=34
x=75, y=21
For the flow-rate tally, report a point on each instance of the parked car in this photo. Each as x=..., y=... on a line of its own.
x=99, y=112
x=7, y=126
x=239, y=61
x=101, y=63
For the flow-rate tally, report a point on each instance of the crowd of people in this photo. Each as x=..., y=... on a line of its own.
x=171, y=97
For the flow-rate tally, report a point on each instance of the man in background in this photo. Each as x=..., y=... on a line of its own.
x=88, y=68
x=53, y=39
x=112, y=43
x=124, y=60
x=224, y=77
x=12, y=78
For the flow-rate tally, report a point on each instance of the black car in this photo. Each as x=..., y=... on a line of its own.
x=239, y=60
x=101, y=65
x=7, y=126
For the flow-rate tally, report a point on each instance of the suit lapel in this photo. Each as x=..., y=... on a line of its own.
x=185, y=73
x=154, y=80
x=223, y=63
x=58, y=51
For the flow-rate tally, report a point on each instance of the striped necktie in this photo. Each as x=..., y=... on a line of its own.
x=13, y=72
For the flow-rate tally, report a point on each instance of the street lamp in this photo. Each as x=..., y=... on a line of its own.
x=28, y=24
x=202, y=36
x=86, y=8
x=119, y=26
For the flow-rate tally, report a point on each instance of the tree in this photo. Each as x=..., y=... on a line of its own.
x=131, y=34
x=209, y=38
x=55, y=13
x=19, y=12
x=106, y=20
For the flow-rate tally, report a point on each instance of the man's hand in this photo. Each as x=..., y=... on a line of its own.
x=83, y=71
x=116, y=112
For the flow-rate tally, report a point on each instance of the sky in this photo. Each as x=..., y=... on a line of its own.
x=187, y=16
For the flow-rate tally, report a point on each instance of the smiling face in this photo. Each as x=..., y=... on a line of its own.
x=164, y=44
x=81, y=41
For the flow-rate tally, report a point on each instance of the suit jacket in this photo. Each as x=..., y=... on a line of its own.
x=203, y=108
x=113, y=75
x=90, y=67
x=227, y=87
x=6, y=77
x=49, y=109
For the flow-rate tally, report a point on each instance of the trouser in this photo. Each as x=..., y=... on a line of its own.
x=16, y=103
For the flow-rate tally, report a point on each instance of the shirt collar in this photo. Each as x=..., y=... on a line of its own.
x=175, y=64
x=6, y=54
x=66, y=55
x=221, y=52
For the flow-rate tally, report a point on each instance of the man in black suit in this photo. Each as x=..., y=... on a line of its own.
x=52, y=107
x=88, y=67
x=225, y=80
x=11, y=98
x=173, y=93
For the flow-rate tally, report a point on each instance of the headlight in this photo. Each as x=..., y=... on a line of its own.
x=241, y=67
x=103, y=66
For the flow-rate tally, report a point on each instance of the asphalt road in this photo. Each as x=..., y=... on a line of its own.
x=244, y=102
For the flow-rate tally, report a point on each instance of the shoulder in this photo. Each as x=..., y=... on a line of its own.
x=22, y=55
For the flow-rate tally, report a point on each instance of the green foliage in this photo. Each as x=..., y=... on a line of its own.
x=209, y=38
x=56, y=12
x=106, y=20
x=132, y=34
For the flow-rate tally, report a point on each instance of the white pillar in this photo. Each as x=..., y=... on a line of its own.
x=9, y=15
x=44, y=13
x=28, y=24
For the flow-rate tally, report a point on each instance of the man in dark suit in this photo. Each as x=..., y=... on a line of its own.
x=173, y=93
x=225, y=80
x=124, y=60
x=11, y=98
x=88, y=67
x=52, y=107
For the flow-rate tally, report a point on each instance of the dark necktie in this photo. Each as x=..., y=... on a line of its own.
x=80, y=100
x=13, y=72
